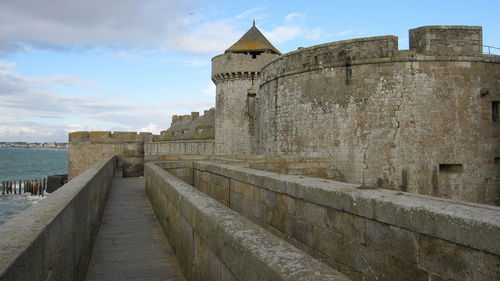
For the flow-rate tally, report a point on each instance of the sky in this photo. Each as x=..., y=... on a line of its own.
x=129, y=65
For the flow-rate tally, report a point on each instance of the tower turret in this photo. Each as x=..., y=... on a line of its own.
x=236, y=75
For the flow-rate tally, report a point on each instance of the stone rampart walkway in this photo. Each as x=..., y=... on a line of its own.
x=130, y=244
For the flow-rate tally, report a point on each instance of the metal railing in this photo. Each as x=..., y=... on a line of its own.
x=489, y=52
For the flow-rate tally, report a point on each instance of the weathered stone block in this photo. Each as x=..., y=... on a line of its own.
x=456, y=262
x=285, y=204
x=346, y=224
x=313, y=213
x=392, y=240
x=267, y=197
x=249, y=191
x=300, y=229
x=401, y=270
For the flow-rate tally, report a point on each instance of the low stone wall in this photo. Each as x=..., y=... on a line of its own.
x=213, y=242
x=53, y=239
x=88, y=148
x=291, y=165
x=367, y=234
x=194, y=147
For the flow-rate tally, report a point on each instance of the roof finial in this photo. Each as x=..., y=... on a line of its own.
x=253, y=22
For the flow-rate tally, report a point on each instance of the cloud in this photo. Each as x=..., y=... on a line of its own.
x=283, y=33
x=316, y=34
x=151, y=128
x=5, y=65
x=254, y=13
x=207, y=37
x=71, y=23
x=122, y=54
x=122, y=25
x=196, y=62
x=28, y=102
x=293, y=16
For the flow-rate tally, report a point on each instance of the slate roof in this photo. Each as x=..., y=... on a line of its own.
x=252, y=41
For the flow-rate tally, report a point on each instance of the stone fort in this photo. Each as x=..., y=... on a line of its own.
x=350, y=160
x=424, y=120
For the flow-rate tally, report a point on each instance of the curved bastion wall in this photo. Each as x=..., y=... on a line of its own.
x=419, y=120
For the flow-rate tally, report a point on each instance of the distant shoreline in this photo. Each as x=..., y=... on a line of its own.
x=37, y=145
x=45, y=148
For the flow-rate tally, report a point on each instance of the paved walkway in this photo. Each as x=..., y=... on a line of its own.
x=130, y=244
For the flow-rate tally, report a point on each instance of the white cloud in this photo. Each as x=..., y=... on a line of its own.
x=122, y=54
x=6, y=65
x=24, y=99
x=151, y=128
x=316, y=34
x=293, y=16
x=196, y=62
x=208, y=37
x=70, y=23
x=283, y=33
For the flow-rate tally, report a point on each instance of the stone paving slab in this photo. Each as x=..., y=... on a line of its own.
x=130, y=244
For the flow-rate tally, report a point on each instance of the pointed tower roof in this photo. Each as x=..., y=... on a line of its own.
x=252, y=41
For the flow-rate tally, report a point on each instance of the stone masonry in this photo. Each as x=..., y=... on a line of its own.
x=424, y=120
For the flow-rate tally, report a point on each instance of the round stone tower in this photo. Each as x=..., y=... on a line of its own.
x=236, y=75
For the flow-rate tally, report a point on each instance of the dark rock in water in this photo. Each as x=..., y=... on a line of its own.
x=56, y=181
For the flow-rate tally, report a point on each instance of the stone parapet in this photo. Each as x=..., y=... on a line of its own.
x=364, y=232
x=106, y=137
x=455, y=40
x=213, y=242
x=87, y=148
x=53, y=239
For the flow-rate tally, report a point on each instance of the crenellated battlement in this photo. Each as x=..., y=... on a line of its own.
x=106, y=137
x=233, y=66
x=445, y=40
x=427, y=43
x=339, y=53
x=190, y=127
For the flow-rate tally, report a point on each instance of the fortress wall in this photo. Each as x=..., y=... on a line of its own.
x=213, y=242
x=397, y=120
x=190, y=127
x=365, y=233
x=53, y=240
x=447, y=40
x=187, y=147
x=88, y=148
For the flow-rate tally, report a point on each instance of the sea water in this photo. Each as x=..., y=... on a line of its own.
x=24, y=164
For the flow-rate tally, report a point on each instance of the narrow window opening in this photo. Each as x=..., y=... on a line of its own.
x=484, y=92
x=348, y=74
x=497, y=160
x=495, y=110
x=451, y=168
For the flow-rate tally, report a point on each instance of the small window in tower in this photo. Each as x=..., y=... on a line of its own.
x=495, y=110
x=451, y=168
x=497, y=160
